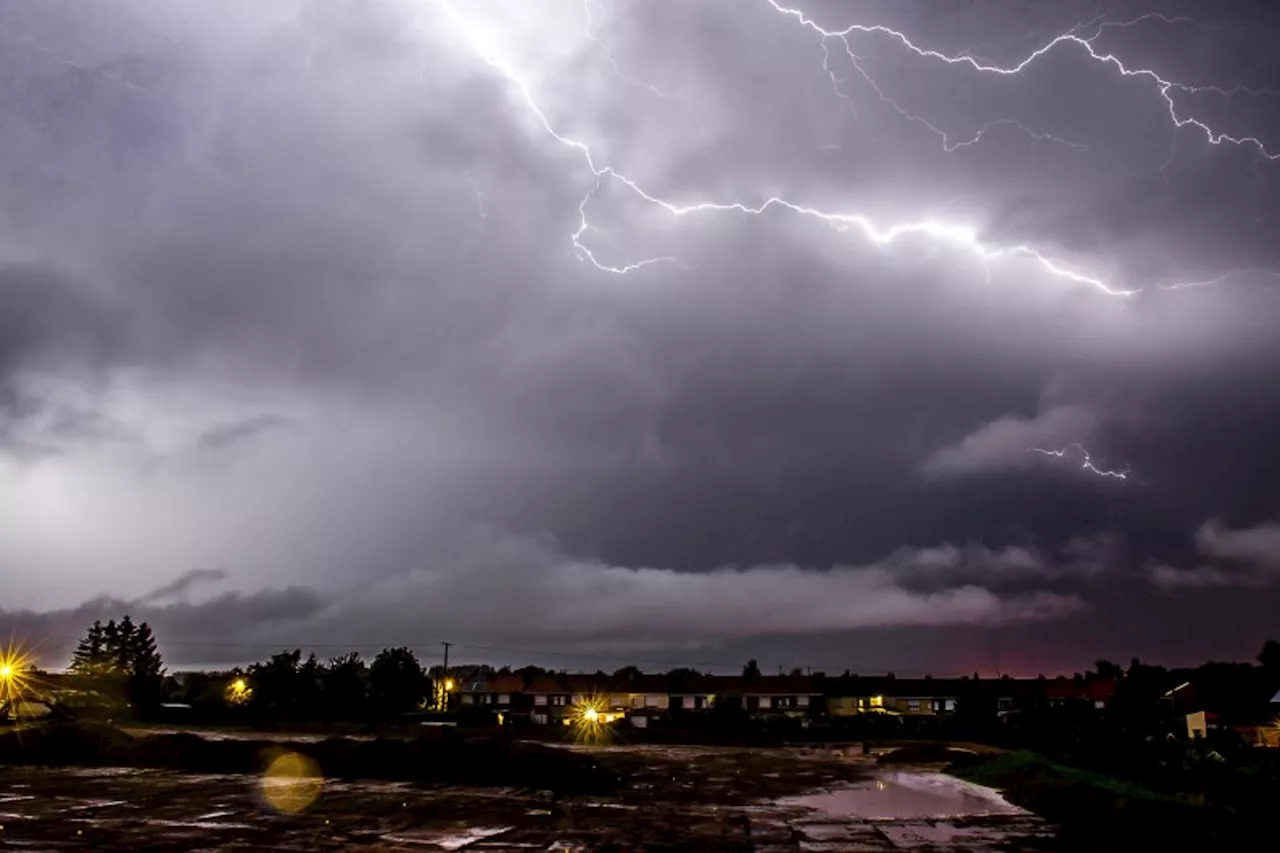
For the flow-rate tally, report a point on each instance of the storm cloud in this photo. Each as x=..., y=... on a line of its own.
x=717, y=331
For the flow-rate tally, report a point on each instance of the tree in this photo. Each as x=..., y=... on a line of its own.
x=144, y=667
x=628, y=675
x=275, y=683
x=1269, y=657
x=1108, y=671
x=343, y=685
x=90, y=656
x=397, y=682
x=121, y=660
x=751, y=670
x=682, y=679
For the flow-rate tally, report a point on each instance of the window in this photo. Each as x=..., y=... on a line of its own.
x=637, y=701
x=1004, y=703
x=802, y=701
x=689, y=702
x=504, y=698
x=913, y=704
x=540, y=699
x=559, y=700
x=877, y=701
x=765, y=702
x=948, y=704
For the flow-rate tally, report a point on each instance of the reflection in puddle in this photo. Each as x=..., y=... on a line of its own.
x=446, y=840
x=907, y=796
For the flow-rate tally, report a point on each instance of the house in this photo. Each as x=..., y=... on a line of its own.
x=875, y=695
x=922, y=697
x=1076, y=693
x=502, y=693
x=776, y=695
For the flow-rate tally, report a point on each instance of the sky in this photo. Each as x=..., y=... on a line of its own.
x=917, y=336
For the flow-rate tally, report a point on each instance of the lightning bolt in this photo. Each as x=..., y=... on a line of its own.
x=948, y=145
x=1222, y=279
x=1071, y=38
x=1087, y=462
x=955, y=234
x=593, y=37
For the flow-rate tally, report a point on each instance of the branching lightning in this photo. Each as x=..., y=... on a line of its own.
x=948, y=145
x=1076, y=448
x=955, y=234
x=594, y=38
x=1071, y=37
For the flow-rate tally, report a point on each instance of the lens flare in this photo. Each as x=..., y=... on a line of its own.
x=291, y=782
x=592, y=719
x=16, y=673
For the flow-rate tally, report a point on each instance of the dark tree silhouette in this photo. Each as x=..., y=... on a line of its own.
x=344, y=683
x=397, y=681
x=751, y=670
x=628, y=675
x=275, y=684
x=121, y=661
x=91, y=656
x=1108, y=670
x=1269, y=657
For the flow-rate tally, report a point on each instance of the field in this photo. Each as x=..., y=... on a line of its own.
x=695, y=799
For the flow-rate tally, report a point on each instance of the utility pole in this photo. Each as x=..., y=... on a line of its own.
x=444, y=679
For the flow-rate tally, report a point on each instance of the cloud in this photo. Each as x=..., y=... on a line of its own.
x=180, y=585
x=1007, y=442
x=497, y=587
x=223, y=436
x=1245, y=557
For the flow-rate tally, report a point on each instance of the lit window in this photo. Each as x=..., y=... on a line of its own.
x=877, y=701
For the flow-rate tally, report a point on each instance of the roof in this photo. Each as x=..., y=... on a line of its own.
x=1068, y=688
x=505, y=683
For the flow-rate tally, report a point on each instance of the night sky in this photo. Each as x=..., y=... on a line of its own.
x=915, y=335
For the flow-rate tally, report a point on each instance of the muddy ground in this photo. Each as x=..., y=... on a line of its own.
x=695, y=799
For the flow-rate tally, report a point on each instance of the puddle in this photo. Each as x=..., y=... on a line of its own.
x=899, y=796
x=198, y=824
x=446, y=839
x=95, y=804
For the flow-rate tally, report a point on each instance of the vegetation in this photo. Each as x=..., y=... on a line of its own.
x=120, y=662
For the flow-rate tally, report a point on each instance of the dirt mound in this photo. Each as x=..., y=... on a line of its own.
x=91, y=744
x=437, y=758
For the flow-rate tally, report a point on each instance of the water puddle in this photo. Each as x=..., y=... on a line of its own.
x=903, y=796
x=447, y=839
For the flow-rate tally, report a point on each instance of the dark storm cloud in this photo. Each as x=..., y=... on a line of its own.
x=496, y=587
x=224, y=436
x=1244, y=557
x=180, y=585
x=328, y=242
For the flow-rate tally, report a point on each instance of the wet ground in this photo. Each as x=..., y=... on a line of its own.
x=695, y=799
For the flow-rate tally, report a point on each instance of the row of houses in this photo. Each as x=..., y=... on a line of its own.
x=552, y=698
